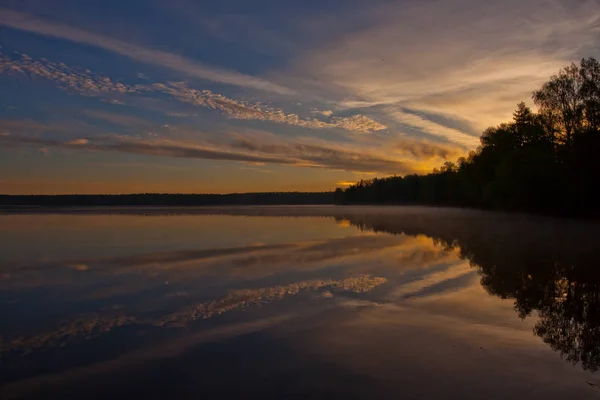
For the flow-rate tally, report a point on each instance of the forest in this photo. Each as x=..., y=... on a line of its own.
x=540, y=162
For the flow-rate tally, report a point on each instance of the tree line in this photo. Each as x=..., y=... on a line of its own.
x=164, y=199
x=543, y=162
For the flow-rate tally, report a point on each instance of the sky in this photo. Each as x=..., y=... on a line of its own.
x=192, y=96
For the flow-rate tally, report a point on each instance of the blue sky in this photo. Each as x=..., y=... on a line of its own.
x=232, y=96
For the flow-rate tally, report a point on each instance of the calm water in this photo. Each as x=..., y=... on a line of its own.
x=298, y=301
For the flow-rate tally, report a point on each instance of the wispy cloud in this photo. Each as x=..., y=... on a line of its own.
x=422, y=149
x=345, y=184
x=327, y=113
x=114, y=101
x=296, y=154
x=465, y=58
x=78, y=141
x=138, y=165
x=432, y=128
x=30, y=23
x=67, y=78
x=244, y=110
x=121, y=119
x=261, y=170
x=90, y=84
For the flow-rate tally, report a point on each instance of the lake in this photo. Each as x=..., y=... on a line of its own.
x=304, y=302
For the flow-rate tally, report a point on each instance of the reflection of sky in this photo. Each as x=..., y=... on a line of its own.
x=400, y=309
x=190, y=97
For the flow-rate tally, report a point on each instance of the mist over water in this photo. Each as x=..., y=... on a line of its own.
x=316, y=301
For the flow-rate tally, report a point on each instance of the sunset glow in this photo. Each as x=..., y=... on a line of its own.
x=199, y=97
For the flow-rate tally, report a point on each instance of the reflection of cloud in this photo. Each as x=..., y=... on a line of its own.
x=344, y=223
x=95, y=324
x=81, y=326
x=250, y=297
x=247, y=261
x=166, y=349
x=434, y=281
x=25, y=22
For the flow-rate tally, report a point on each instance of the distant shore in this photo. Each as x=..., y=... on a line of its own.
x=31, y=202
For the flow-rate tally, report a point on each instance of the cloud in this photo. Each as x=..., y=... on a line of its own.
x=372, y=155
x=138, y=165
x=79, y=267
x=24, y=129
x=327, y=113
x=29, y=23
x=79, y=141
x=87, y=83
x=422, y=149
x=244, y=110
x=114, y=101
x=292, y=153
x=265, y=171
x=321, y=154
x=358, y=123
x=464, y=58
x=65, y=77
x=120, y=119
x=432, y=128
x=345, y=183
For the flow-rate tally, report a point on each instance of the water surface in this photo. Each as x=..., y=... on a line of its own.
x=372, y=302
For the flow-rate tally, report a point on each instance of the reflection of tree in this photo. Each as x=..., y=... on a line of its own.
x=566, y=295
x=546, y=266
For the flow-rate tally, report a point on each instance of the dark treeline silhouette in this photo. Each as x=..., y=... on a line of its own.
x=542, y=162
x=546, y=266
x=157, y=199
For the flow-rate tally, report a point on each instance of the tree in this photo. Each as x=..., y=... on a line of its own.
x=561, y=96
x=590, y=92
